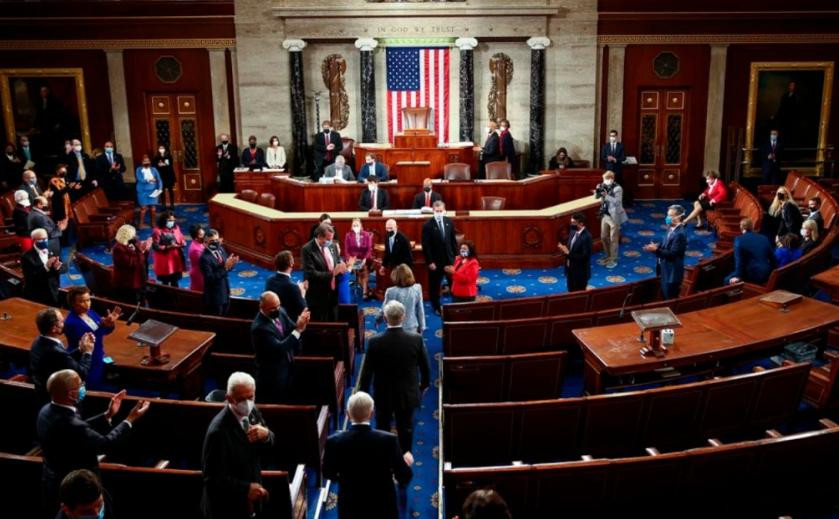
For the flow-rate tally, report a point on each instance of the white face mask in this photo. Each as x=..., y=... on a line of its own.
x=608, y=182
x=356, y=229
x=371, y=187
x=805, y=232
x=439, y=215
x=77, y=148
x=613, y=139
x=244, y=408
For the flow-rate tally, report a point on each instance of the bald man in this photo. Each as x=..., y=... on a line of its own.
x=397, y=248
x=70, y=442
x=276, y=340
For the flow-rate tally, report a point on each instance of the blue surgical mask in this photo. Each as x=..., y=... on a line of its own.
x=100, y=515
x=170, y=224
x=327, y=243
x=109, y=150
x=42, y=244
x=82, y=393
x=668, y=220
x=464, y=253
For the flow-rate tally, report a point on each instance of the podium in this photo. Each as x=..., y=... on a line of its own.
x=654, y=321
x=152, y=334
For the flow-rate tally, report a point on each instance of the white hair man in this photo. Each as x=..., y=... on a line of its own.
x=235, y=441
x=41, y=270
x=365, y=462
x=339, y=170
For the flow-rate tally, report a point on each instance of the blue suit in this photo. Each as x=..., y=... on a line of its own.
x=753, y=258
x=671, y=261
x=620, y=156
x=216, y=283
x=275, y=353
x=364, y=172
x=145, y=188
x=74, y=328
x=291, y=298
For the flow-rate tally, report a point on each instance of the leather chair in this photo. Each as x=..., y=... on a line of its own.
x=457, y=171
x=493, y=203
x=348, y=151
x=268, y=200
x=499, y=170
x=416, y=117
x=248, y=195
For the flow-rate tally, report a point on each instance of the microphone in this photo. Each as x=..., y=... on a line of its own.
x=133, y=315
x=625, y=301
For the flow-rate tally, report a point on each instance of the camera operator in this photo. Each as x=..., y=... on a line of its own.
x=612, y=216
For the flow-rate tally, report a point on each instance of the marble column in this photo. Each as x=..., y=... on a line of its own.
x=119, y=104
x=716, y=96
x=299, y=135
x=614, y=90
x=537, y=45
x=467, y=88
x=218, y=86
x=368, y=88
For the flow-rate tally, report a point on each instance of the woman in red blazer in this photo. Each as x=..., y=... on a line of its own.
x=464, y=274
x=128, y=278
x=358, y=244
x=715, y=193
x=167, y=244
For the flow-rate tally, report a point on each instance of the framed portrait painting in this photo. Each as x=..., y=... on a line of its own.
x=793, y=99
x=46, y=104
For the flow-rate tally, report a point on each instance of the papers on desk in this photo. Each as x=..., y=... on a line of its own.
x=492, y=181
x=403, y=212
x=630, y=161
x=463, y=144
x=375, y=145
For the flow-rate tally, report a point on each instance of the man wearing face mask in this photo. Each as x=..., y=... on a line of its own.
x=577, y=254
x=771, y=154
x=70, y=442
x=41, y=270
x=612, y=216
x=26, y=153
x=339, y=171
x=236, y=440
x=327, y=145
x=397, y=249
x=30, y=185
x=292, y=295
x=507, y=146
x=82, y=497
x=109, y=169
x=428, y=196
x=440, y=248
x=491, y=151
x=80, y=169
x=39, y=219
x=814, y=205
x=373, y=198
x=227, y=158
x=215, y=265
x=322, y=263
x=670, y=253
x=276, y=340
x=253, y=157
x=372, y=168
x=48, y=354
x=612, y=156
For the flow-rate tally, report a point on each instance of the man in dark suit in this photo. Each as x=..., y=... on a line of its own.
x=253, y=157
x=577, y=254
x=491, y=151
x=48, y=354
x=815, y=206
x=428, y=195
x=365, y=462
x=276, y=340
x=754, y=257
x=373, y=198
x=321, y=263
x=326, y=145
x=81, y=495
x=80, y=170
x=41, y=271
x=372, y=168
x=393, y=359
x=235, y=441
x=439, y=247
x=292, y=295
x=39, y=219
x=612, y=156
x=30, y=185
x=70, y=442
x=771, y=153
x=507, y=146
x=110, y=167
x=397, y=248
x=215, y=264
x=671, y=253
x=227, y=158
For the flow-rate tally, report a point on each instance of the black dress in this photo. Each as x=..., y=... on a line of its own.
x=167, y=172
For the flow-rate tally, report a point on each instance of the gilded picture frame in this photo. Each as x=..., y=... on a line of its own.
x=802, y=128
x=19, y=88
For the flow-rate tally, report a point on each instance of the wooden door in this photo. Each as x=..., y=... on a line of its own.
x=662, y=154
x=173, y=121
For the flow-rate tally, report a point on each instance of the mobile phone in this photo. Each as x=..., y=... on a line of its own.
x=108, y=360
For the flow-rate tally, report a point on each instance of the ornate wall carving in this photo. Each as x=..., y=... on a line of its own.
x=501, y=68
x=333, y=69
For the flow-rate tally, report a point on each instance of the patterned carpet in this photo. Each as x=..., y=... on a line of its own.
x=646, y=223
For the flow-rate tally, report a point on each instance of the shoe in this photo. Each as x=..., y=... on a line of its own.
x=611, y=265
x=602, y=261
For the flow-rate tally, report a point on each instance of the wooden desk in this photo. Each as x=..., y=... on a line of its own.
x=259, y=181
x=706, y=336
x=523, y=239
x=413, y=151
x=186, y=348
x=829, y=282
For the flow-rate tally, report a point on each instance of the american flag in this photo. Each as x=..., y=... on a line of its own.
x=418, y=77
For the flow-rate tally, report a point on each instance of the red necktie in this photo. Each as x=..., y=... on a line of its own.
x=428, y=200
x=326, y=142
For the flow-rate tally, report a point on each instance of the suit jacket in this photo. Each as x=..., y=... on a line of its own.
x=104, y=172
x=671, y=256
x=507, y=148
x=365, y=461
x=817, y=217
x=578, y=259
x=275, y=353
x=346, y=173
x=216, y=283
x=230, y=463
x=767, y=166
x=394, y=357
x=365, y=202
x=316, y=272
x=32, y=191
x=491, y=151
x=753, y=257
x=228, y=161
x=71, y=443
x=322, y=155
x=612, y=203
x=39, y=284
x=47, y=356
x=419, y=199
x=40, y=220
x=291, y=298
x=364, y=171
x=73, y=169
x=20, y=217
x=619, y=155
x=400, y=253
x=435, y=247
x=791, y=219
x=253, y=158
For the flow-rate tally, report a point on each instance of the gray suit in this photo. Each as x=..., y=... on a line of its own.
x=411, y=299
x=612, y=216
x=346, y=174
x=40, y=220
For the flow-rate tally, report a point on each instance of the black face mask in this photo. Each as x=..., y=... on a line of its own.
x=427, y=189
x=274, y=314
x=225, y=141
x=253, y=145
x=780, y=196
x=213, y=245
x=326, y=130
x=390, y=234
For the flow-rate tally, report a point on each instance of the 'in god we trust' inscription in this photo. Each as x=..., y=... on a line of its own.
x=414, y=30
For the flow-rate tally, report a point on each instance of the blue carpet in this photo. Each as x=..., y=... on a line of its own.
x=646, y=223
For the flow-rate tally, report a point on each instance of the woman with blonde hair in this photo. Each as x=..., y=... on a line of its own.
x=407, y=291
x=809, y=236
x=128, y=279
x=786, y=213
x=358, y=244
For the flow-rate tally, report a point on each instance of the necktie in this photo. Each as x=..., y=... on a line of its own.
x=246, y=423
x=428, y=200
x=279, y=326
x=27, y=154
x=442, y=228
x=82, y=171
x=326, y=143
x=390, y=243
x=330, y=264
x=111, y=159
x=613, y=149
x=573, y=239
x=217, y=254
x=373, y=195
